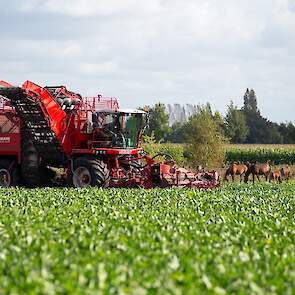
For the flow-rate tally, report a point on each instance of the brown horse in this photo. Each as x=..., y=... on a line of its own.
x=275, y=176
x=258, y=169
x=285, y=173
x=235, y=169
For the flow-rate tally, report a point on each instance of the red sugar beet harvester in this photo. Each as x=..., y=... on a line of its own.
x=94, y=142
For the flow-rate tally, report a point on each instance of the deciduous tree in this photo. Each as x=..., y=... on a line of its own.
x=204, y=141
x=236, y=127
x=159, y=122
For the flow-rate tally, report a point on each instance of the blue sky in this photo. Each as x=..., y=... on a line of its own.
x=173, y=51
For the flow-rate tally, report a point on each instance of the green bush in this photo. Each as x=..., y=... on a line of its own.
x=175, y=150
x=204, y=139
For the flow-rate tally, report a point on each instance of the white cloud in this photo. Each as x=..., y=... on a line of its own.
x=85, y=8
x=94, y=69
x=42, y=48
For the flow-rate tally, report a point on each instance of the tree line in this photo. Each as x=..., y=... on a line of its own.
x=239, y=125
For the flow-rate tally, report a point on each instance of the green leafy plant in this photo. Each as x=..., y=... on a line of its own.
x=238, y=239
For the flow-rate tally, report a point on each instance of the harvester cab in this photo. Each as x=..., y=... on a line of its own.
x=118, y=128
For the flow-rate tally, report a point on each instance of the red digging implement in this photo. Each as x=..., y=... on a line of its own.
x=92, y=139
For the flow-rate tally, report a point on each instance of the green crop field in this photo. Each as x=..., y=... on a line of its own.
x=238, y=239
x=277, y=154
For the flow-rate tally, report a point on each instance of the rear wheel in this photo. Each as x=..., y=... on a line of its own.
x=9, y=174
x=89, y=171
x=30, y=163
x=34, y=172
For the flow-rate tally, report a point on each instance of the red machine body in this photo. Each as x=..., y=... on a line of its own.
x=91, y=138
x=9, y=129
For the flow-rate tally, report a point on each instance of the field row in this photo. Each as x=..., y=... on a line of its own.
x=238, y=239
x=277, y=156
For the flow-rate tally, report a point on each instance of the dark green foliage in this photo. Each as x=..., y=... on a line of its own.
x=250, y=101
x=261, y=130
x=177, y=133
x=244, y=125
x=219, y=121
x=159, y=122
x=287, y=131
x=236, y=127
x=236, y=240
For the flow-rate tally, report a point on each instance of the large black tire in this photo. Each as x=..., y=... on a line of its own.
x=34, y=172
x=31, y=163
x=88, y=171
x=9, y=173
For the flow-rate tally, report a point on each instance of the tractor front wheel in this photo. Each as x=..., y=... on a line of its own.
x=88, y=171
x=9, y=174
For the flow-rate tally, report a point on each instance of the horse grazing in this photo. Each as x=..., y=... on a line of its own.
x=285, y=173
x=275, y=176
x=235, y=169
x=258, y=169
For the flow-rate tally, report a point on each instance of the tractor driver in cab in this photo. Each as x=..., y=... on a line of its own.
x=107, y=129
